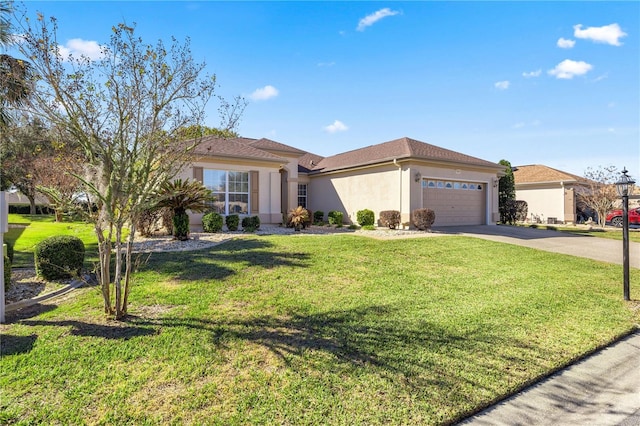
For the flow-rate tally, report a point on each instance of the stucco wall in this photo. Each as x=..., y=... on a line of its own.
x=543, y=202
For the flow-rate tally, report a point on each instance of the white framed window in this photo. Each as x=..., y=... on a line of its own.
x=302, y=195
x=230, y=189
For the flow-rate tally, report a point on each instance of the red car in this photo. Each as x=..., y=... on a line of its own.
x=614, y=217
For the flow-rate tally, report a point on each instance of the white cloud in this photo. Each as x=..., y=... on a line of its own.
x=502, y=85
x=264, y=93
x=371, y=19
x=609, y=34
x=565, y=43
x=568, y=69
x=530, y=74
x=337, y=126
x=79, y=47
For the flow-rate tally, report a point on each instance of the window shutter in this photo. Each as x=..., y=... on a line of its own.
x=198, y=174
x=253, y=186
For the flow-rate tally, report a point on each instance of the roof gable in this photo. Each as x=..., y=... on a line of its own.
x=538, y=173
x=398, y=149
x=269, y=145
x=241, y=148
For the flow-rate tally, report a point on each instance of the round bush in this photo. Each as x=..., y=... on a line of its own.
x=59, y=257
x=335, y=217
x=232, y=221
x=423, y=218
x=318, y=216
x=390, y=218
x=212, y=222
x=365, y=217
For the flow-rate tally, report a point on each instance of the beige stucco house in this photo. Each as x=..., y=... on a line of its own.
x=267, y=178
x=550, y=194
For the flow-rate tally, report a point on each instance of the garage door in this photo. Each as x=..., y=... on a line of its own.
x=455, y=202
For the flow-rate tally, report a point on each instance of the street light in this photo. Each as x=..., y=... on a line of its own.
x=623, y=186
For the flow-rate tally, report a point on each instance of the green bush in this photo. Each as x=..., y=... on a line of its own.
x=365, y=217
x=318, y=216
x=212, y=222
x=9, y=250
x=390, y=218
x=250, y=223
x=7, y=273
x=60, y=256
x=369, y=227
x=335, y=217
x=423, y=218
x=232, y=221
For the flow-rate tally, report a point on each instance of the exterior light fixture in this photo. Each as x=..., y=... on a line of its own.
x=623, y=187
x=418, y=176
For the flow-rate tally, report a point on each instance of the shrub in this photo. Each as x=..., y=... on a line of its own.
x=365, y=217
x=181, y=226
x=212, y=222
x=60, y=256
x=335, y=217
x=298, y=217
x=423, y=218
x=9, y=251
x=148, y=221
x=167, y=220
x=318, y=216
x=232, y=221
x=522, y=209
x=390, y=218
x=7, y=273
x=250, y=223
x=369, y=227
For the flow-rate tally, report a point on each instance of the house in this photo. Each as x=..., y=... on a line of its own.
x=267, y=178
x=550, y=194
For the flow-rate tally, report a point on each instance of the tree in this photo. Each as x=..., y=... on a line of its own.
x=506, y=194
x=600, y=194
x=181, y=196
x=124, y=111
x=193, y=132
x=15, y=74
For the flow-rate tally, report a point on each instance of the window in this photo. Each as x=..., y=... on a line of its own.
x=302, y=195
x=230, y=189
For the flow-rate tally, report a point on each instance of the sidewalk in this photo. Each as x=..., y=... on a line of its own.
x=603, y=389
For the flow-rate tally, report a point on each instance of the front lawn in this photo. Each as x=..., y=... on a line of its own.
x=336, y=329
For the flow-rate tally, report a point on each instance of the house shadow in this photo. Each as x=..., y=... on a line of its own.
x=213, y=262
x=117, y=330
x=510, y=231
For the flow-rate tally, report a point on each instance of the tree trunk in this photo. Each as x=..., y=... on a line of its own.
x=32, y=204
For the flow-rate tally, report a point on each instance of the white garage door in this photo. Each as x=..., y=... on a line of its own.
x=455, y=202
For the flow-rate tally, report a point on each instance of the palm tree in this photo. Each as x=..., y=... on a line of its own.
x=15, y=74
x=181, y=196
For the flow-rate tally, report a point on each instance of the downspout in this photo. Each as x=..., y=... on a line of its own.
x=395, y=162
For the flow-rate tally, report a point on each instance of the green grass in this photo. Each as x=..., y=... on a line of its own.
x=38, y=227
x=337, y=329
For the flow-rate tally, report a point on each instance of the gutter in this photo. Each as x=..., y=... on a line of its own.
x=399, y=166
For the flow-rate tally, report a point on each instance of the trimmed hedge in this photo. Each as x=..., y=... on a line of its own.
x=212, y=222
x=335, y=217
x=232, y=221
x=390, y=218
x=250, y=223
x=423, y=218
x=60, y=256
x=318, y=216
x=366, y=217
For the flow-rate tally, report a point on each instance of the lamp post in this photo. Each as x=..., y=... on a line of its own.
x=622, y=186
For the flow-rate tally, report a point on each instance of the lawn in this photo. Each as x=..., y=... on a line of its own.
x=34, y=228
x=334, y=329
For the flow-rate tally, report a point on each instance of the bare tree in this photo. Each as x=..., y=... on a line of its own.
x=600, y=195
x=124, y=111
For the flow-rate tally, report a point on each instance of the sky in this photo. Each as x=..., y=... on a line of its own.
x=552, y=83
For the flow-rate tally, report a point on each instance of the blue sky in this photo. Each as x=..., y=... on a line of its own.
x=554, y=83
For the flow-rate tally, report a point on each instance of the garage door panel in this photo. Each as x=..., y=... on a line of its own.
x=456, y=206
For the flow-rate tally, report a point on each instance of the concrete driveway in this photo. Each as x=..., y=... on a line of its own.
x=602, y=389
x=602, y=249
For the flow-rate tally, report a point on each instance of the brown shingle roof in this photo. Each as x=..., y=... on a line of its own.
x=269, y=145
x=308, y=161
x=234, y=148
x=399, y=149
x=537, y=173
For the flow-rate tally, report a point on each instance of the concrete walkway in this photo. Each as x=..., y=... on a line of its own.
x=602, y=249
x=603, y=389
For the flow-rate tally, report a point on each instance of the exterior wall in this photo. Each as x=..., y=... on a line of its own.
x=543, y=201
x=391, y=187
x=269, y=206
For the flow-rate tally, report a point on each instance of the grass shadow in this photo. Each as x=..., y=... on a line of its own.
x=13, y=345
x=115, y=331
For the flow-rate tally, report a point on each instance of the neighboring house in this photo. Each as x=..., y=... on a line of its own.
x=266, y=178
x=16, y=198
x=550, y=194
